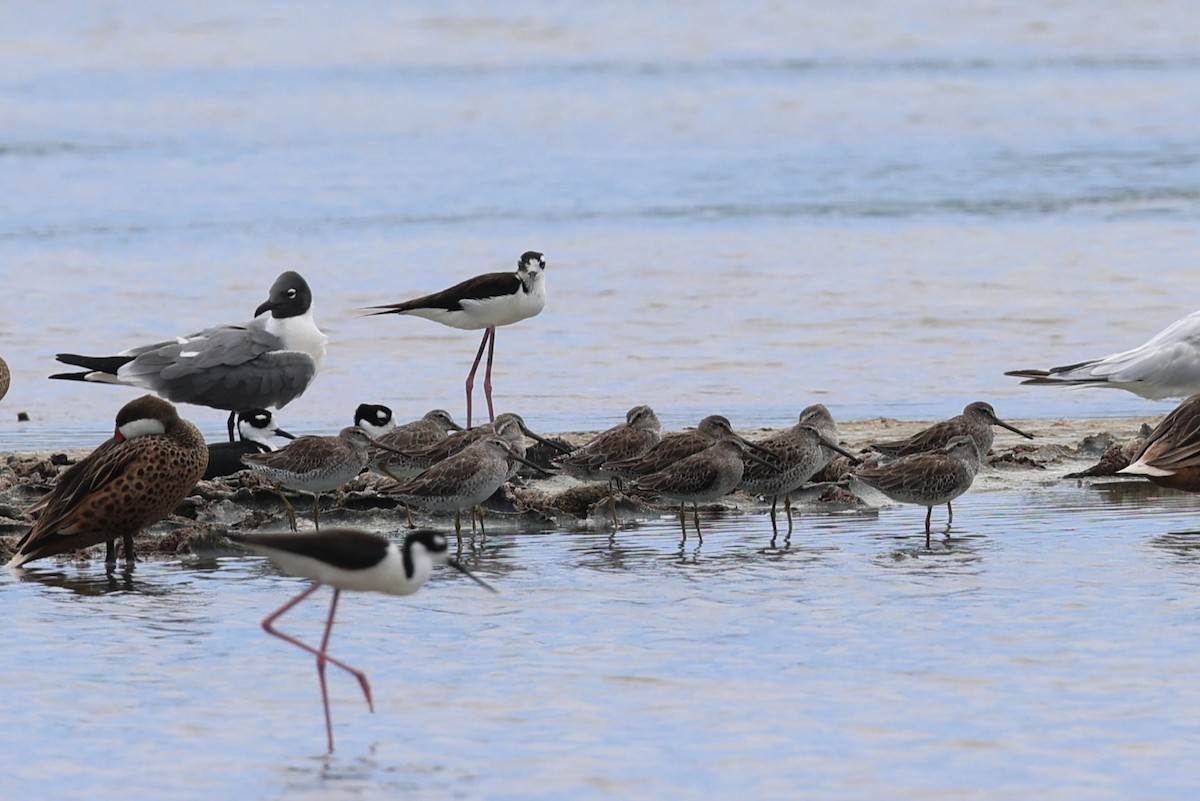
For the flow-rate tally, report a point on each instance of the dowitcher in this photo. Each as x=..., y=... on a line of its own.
x=798, y=454
x=409, y=437
x=1170, y=456
x=1167, y=366
x=703, y=477
x=255, y=429
x=135, y=479
x=976, y=422
x=314, y=464
x=454, y=443
x=927, y=479
x=671, y=448
x=462, y=481
x=268, y=361
x=485, y=301
x=347, y=559
x=640, y=432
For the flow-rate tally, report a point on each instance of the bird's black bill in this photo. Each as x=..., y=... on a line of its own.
x=833, y=446
x=546, y=442
x=457, y=565
x=528, y=463
x=279, y=432
x=1014, y=429
x=763, y=462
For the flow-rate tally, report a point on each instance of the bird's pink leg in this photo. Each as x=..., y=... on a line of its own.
x=487, y=376
x=321, y=660
x=321, y=655
x=487, y=333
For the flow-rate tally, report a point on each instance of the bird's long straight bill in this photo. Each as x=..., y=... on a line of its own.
x=756, y=447
x=833, y=446
x=1013, y=429
x=528, y=463
x=546, y=442
x=457, y=565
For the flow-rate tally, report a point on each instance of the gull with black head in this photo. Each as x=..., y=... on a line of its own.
x=348, y=559
x=485, y=301
x=266, y=362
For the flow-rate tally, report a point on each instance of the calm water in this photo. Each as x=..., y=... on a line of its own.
x=746, y=207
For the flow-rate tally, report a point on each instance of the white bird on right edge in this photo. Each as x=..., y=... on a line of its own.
x=1168, y=366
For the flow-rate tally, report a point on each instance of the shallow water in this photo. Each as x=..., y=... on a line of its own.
x=1044, y=649
x=746, y=208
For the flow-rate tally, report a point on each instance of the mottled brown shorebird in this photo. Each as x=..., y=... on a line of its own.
x=702, y=477
x=452, y=444
x=671, y=448
x=927, y=479
x=641, y=431
x=1170, y=456
x=132, y=480
x=408, y=437
x=5, y=377
x=314, y=464
x=462, y=481
x=797, y=455
x=976, y=422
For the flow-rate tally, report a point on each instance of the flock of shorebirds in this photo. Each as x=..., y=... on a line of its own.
x=155, y=457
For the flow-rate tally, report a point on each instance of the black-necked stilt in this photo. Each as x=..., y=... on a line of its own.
x=374, y=418
x=976, y=422
x=1166, y=366
x=798, y=454
x=132, y=480
x=255, y=429
x=926, y=479
x=702, y=477
x=268, y=361
x=485, y=301
x=347, y=559
x=314, y=464
x=462, y=481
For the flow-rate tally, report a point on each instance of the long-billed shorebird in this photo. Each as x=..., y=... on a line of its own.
x=485, y=301
x=408, y=438
x=136, y=478
x=347, y=559
x=1170, y=456
x=671, y=448
x=460, y=482
x=798, y=454
x=976, y=422
x=702, y=477
x=504, y=424
x=255, y=429
x=314, y=464
x=927, y=479
x=641, y=431
x=268, y=361
x=1167, y=366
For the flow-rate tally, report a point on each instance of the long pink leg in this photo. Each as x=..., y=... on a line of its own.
x=321, y=655
x=487, y=334
x=487, y=376
x=322, y=658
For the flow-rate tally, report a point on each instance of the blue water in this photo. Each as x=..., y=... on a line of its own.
x=746, y=208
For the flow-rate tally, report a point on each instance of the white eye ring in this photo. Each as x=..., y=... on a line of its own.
x=291, y=293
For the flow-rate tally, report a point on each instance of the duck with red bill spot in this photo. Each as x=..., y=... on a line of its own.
x=348, y=559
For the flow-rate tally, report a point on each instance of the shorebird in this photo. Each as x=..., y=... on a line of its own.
x=640, y=432
x=5, y=377
x=976, y=422
x=314, y=464
x=413, y=436
x=485, y=301
x=927, y=479
x=702, y=477
x=347, y=559
x=1170, y=456
x=506, y=424
x=255, y=429
x=799, y=453
x=374, y=418
x=1167, y=366
x=671, y=448
x=268, y=361
x=462, y=481
x=132, y=480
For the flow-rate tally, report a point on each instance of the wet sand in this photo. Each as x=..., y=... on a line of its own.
x=1061, y=450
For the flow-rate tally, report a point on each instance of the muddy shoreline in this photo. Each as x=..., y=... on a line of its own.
x=1063, y=449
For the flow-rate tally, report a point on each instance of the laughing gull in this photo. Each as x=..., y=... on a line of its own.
x=268, y=361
